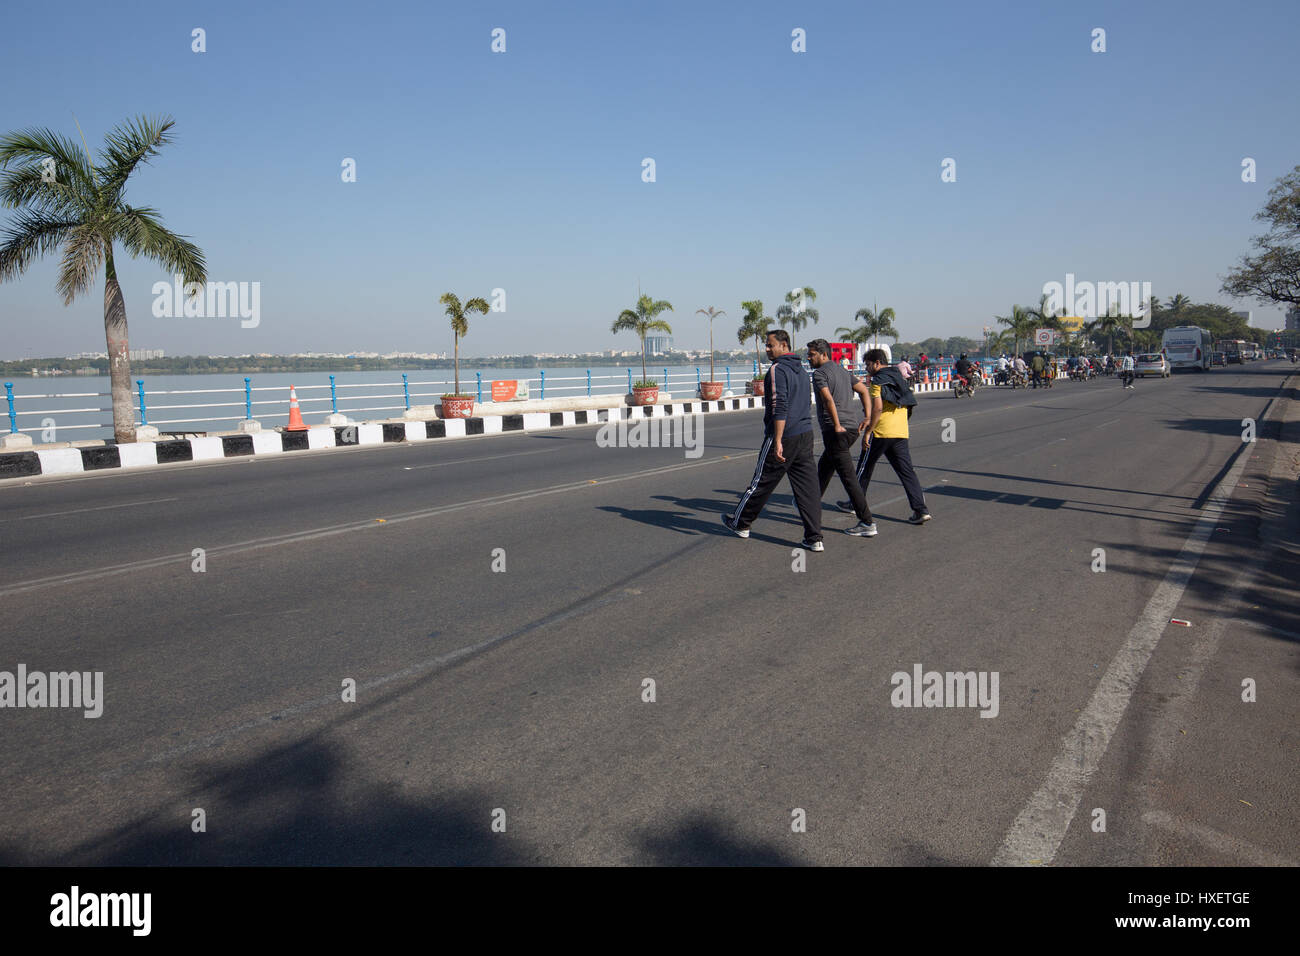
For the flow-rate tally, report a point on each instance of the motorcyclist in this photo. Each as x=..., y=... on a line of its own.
x=962, y=370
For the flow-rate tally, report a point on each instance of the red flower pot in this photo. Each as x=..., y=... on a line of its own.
x=645, y=396
x=711, y=391
x=456, y=407
x=755, y=387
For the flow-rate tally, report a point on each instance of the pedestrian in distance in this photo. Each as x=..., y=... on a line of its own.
x=1126, y=369
x=842, y=420
x=1039, y=366
x=787, y=449
x=887, y=434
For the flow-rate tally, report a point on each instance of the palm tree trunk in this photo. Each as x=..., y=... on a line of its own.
x=119, y=360
x=456, y=346
x=711, y=350
x=643, y=371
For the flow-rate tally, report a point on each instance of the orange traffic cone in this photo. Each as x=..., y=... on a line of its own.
x=296, y=424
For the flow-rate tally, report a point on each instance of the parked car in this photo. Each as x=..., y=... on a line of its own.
x=1151, y=363
x=1218, y=358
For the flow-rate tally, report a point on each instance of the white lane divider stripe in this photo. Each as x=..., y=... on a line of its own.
x=1039, y=829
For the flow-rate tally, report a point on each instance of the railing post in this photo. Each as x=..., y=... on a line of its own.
x=478, y=380
x=697, y=378
x=543, y=383
x=728, y=378
x=665, y=380
x=248, y=398
x=406, y=390
x=629, y=378
x=755, y=368
x=589, y=383
x=334, y=397
x=144, y=412
x=13, y=419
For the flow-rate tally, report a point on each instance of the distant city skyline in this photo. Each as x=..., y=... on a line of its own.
x=703, y=157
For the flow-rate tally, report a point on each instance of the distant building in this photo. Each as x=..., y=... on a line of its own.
x=1244, y=316
x=1293, y=319
x=143, y=355
x=658, y=344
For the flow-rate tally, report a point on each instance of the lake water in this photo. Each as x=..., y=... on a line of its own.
x=74, y=407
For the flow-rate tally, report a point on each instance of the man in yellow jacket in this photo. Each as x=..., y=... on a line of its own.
x=887, y=435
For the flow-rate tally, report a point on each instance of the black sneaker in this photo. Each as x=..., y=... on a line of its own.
x=919, y=517
x=740, y=532
x=846, y=507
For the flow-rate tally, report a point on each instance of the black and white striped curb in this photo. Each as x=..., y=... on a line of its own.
x=67, y=461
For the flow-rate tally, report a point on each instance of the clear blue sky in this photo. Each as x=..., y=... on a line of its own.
x=775, y=169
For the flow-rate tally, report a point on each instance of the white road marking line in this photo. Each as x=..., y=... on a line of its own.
x=1243, y=853
x=78, y=511
x=255, y=544
x=470, y=461
x=1037, y=832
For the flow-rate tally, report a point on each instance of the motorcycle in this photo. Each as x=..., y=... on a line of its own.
x=1019, y=380
x=962, y=387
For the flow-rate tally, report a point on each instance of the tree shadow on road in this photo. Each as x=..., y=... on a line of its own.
x=302, y=805
x=704, y=840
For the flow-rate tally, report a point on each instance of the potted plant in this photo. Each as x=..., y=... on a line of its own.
x=711, y=390
x=457, y=404
x=756, y=326
x=642, y=320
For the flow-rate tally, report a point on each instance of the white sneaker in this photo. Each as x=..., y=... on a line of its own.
x=814, y=545
x=862, y=530
x=741, y=532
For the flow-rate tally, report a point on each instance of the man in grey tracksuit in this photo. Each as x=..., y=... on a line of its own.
x=787, y=448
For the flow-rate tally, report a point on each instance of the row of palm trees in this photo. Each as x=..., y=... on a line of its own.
x=1022, y=322
x=754, y=325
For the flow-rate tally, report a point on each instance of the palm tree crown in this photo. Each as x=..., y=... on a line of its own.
x=69, y=202
x=875, y=323
x=786, y=314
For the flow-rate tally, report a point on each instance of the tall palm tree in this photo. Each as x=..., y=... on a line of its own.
x=1106, y=325
x=459, y=315
x=1001, y=342
x=786, y=314
x=643, y=320
x=755, y=325
x=68, y=201
x=875, y=323
x=712, y=313
x=1021, y=323
x=1176, y=305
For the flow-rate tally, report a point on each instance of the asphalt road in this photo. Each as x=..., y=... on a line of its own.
x=484, y=695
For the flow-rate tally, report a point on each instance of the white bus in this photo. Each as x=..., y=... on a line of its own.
x=1188, y=347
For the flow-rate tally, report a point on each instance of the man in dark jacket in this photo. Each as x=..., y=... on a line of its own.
x=787, y=446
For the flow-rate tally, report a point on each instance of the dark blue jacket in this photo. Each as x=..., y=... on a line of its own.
x=788, y=397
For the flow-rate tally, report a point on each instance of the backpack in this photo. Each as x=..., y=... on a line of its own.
x=894, y=389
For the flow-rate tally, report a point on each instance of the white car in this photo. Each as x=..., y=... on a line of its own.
x=1153, y=363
